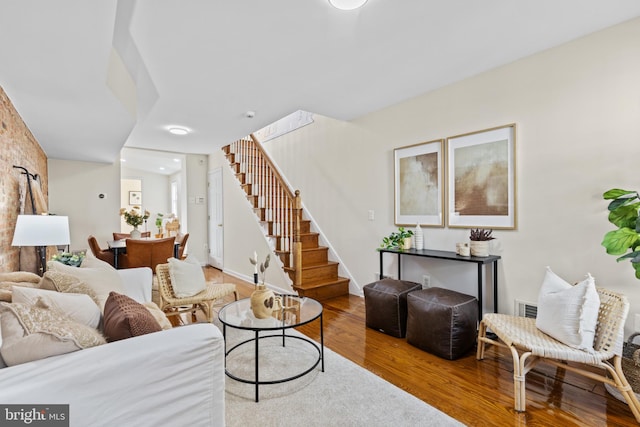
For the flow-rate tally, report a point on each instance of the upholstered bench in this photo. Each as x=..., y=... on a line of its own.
x=442, y=322
x=386, y=305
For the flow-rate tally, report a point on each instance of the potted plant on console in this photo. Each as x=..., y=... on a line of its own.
x=400, y=240
x=480, y=241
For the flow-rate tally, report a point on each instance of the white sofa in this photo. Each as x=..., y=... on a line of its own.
x=170, y=378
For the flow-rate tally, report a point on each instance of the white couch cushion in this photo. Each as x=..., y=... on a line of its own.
x=568, y=313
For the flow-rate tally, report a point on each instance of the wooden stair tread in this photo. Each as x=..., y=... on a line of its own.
x=321, y=283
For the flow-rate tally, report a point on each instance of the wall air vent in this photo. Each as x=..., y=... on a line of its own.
x=526, y=309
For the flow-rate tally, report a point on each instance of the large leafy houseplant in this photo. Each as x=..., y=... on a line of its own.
x=623, y=213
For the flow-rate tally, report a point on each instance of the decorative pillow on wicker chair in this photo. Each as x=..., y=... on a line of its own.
x=568, y=313
x=79, y=307
x=32, y=332
x=100, y=280
x=187, y=277
x=125, y=318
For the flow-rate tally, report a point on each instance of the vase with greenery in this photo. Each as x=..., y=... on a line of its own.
x=480, y=238
x=134, y=218
x=159, y=224
x=400, y=240
x=623, y=213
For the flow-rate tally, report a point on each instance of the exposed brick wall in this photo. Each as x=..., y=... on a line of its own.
x=17, y=147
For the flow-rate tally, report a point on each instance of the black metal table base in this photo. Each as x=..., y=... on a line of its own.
x=256, y=339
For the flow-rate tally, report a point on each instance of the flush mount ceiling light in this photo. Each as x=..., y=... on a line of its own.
x=347, y=4
x=178, y=130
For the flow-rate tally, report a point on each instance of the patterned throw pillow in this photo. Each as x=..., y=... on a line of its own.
x=54, y=280
x=100, y=280
x=79, y=307
x=33, y=332
x=125, y=318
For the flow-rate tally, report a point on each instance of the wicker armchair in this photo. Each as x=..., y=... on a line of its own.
x=204, y=301
x=528, y=346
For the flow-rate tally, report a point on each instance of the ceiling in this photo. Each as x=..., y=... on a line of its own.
x=91, y=77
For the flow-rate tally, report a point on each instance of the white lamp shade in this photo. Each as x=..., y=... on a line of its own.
x=347, y=4
x=41, y=230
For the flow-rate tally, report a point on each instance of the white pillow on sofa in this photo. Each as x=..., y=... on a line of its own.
x=568, y=313
x=100, y=279
x=79, y=307
x=187, y=277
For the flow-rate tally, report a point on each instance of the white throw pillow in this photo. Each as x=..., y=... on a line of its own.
x=187, y=277
x=101, y=280
x=90, y=261
x=79, y=307
x=568, y=313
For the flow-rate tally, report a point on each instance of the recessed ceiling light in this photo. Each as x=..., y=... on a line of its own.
x=347, y=4
x=161, y=168
x=178, y=130
x=123, y=160
x=176, y=160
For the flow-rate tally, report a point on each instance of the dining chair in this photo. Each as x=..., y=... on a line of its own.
x=147, y=253
x=182, y=240
x=105, y=255
x=121, y=236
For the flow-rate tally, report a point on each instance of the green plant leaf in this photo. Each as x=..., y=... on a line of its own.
x=636, y=266
x=618, y=241
x=625, y=216
x=614, y=193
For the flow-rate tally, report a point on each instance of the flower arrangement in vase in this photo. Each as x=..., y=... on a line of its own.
x=134, y=218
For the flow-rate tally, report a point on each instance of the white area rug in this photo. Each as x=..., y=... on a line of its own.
x=344, y=395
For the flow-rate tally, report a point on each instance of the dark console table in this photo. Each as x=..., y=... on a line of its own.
x=451, y=256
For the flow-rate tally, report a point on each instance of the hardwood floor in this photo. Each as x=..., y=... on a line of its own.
x=477, y=393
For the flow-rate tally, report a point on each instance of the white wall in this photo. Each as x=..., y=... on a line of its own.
x=577, y=110
x=74, y=188
x=155, y=195
x=242, y=231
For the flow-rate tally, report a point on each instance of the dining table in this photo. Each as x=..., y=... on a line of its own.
x=120, y=247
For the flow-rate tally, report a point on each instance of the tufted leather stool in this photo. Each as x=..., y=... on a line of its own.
x=442, y=322
x=386, y=305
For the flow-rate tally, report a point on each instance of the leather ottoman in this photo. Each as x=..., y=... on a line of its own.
x=386, y=305
x=442, y=322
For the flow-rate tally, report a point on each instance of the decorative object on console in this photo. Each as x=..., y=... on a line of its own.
x=623, y=213
x=41, y=231
x=419, y=237
x=418, y=184
x=134, y=218
x=400, y=240
x=480, y=241
x=482, y=179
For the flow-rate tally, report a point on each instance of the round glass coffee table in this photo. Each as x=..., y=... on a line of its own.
x=297, y=311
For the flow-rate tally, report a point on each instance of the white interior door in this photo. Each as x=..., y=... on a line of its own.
x=216, y=229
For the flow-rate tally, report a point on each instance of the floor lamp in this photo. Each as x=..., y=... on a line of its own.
x=41, y=231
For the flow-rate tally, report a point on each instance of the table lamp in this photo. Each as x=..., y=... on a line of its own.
x=41, y=231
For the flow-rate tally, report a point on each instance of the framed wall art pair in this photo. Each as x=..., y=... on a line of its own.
x=467, y=181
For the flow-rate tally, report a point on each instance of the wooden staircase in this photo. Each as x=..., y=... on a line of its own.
x=279, y=209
